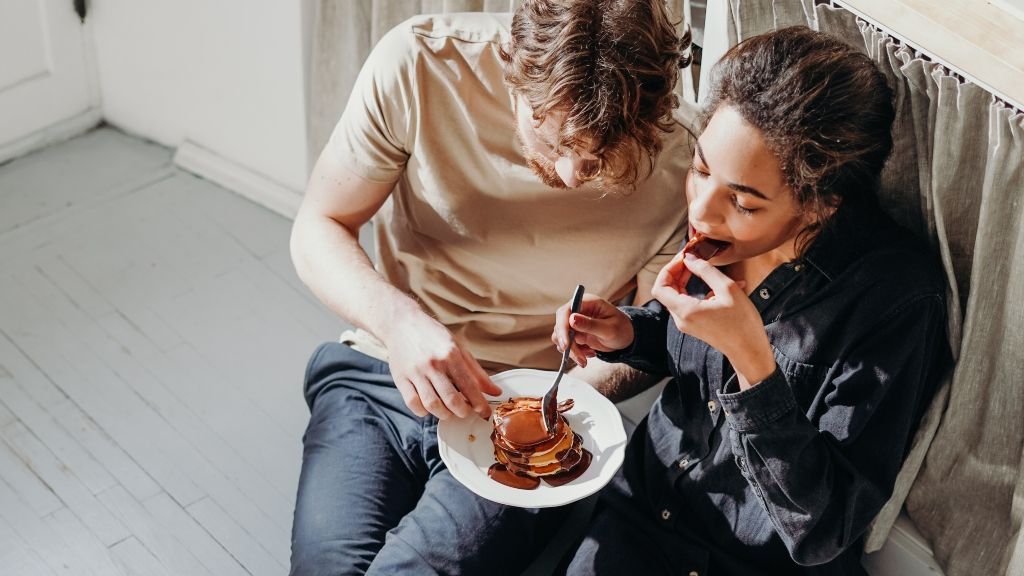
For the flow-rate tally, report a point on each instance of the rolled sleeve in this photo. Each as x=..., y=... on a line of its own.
x=759, y=406
x=648, y=351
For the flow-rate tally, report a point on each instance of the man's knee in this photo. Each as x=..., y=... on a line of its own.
x=335, y=365
x=317, y=557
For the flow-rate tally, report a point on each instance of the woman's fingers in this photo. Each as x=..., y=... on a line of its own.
x=675, y=274
x=600, y=328
x=593, y=308
x=719, y=283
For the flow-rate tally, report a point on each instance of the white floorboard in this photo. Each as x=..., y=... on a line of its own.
x=153, y=338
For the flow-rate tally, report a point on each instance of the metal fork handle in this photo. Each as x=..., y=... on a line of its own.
x=549, y=405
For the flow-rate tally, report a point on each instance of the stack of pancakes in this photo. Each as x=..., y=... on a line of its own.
x=525, y=447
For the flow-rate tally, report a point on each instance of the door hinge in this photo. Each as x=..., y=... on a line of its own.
x=80, y=9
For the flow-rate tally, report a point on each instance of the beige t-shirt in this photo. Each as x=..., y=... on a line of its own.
x=469, y=229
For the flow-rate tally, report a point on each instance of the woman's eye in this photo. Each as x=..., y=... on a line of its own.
x=698, y=172
x=741, y=208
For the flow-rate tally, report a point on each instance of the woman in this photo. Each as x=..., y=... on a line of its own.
x=801, y=353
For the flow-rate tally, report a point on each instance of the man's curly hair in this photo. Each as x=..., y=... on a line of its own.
x=609, y=67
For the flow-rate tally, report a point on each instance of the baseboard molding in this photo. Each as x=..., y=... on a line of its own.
x=261, y=189
x=905, y=553
x=52, y=134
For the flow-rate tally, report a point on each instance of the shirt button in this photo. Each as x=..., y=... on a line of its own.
x=798, y=267
x=712, y=406
x=683, y=463
x=666, y=514
x=764, y=293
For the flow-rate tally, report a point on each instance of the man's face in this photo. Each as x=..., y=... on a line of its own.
x=557, y=168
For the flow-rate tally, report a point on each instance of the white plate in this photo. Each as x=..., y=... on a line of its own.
x=466, y=446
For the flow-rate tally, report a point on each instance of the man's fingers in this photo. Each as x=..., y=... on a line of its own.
x=429, y=398
x=480, y=375
x=480, y=384
x=454, y=399
x=410, y=397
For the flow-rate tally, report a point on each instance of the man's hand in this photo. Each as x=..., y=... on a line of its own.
x=434, y=373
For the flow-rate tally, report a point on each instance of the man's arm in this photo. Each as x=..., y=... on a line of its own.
x=326, y=253
x=619, y=382
x=432, y=371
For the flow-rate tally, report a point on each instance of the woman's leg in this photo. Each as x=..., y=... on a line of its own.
x=615, y=545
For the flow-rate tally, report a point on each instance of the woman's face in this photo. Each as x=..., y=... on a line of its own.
x=736, y=193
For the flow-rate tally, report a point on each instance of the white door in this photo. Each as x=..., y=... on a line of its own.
x=47, y=87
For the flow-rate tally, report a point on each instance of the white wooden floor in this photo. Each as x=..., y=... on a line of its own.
x=153, y=338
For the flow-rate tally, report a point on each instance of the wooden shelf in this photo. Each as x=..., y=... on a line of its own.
x=981, y=41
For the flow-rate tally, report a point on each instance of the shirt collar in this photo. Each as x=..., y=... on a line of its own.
x=852, y=233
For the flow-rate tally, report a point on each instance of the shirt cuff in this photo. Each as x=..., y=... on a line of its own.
x=645, y=325
x=758, y=406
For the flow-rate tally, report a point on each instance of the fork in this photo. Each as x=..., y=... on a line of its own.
x=549, y=405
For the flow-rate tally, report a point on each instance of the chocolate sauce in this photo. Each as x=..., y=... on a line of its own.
x=525, y=428
x=523, y=447
x=566, y=476
x=499, y=473
x=703, y=247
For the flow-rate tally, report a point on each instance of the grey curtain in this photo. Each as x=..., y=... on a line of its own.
x=346, y=30
x=957, y=177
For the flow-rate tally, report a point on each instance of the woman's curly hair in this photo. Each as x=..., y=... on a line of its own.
x=609, y=67
x=825, y=111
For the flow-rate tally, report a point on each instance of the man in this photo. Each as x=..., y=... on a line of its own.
x=503, y=163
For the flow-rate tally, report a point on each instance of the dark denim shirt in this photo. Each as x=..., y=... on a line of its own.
x=786, y=477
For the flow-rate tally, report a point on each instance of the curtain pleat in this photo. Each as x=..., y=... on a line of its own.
x=968, y=497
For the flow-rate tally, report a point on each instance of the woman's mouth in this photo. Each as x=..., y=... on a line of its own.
x=704, y=247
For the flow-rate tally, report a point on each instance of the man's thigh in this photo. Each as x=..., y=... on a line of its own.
x=453, y=531
x=362, y=467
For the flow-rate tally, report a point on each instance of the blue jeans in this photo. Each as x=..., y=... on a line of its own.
x=374, y=496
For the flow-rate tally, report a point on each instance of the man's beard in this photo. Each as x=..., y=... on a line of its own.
x=541, y=166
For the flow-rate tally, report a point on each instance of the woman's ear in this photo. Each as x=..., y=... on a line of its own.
x=821, y=211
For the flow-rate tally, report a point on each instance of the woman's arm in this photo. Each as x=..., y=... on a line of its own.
x=648, y=352
x=823, y=482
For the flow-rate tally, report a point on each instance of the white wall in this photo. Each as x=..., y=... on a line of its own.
x=227, y=76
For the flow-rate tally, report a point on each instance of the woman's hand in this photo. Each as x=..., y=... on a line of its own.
x=434, y=373
x=728, y=320
x=599, y=327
